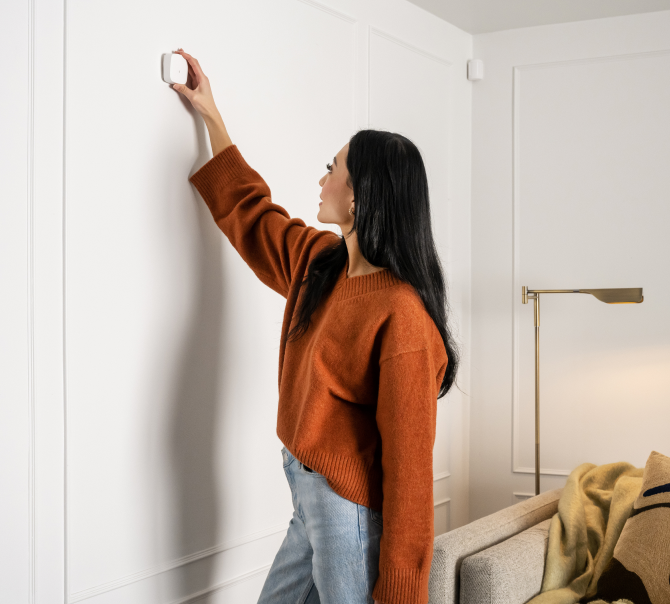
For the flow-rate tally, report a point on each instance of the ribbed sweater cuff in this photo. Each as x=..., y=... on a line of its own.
x=401, y=586
x=224, y=167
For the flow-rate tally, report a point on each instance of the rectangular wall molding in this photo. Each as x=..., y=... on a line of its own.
x=520, y=311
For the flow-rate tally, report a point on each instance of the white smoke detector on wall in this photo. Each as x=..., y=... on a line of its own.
x=175, y=68
x=475, y=69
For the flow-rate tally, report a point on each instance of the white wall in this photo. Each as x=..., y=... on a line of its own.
x=571, y=147
x=139, y=351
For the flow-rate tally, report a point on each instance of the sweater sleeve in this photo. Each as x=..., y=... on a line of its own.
x=406, y=419
x=263, y=233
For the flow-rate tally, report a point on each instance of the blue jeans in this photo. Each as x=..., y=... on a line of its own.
x=330, y=554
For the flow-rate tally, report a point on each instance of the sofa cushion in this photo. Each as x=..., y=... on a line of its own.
x=452, y=547
x=509, y=572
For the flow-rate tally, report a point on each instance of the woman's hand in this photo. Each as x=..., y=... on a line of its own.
x=197, y=89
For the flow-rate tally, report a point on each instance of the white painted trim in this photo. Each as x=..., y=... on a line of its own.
x=45, y=211
x=382, y=34
x=441, y=476
x=543, y=471
x=30, y=335
x=66, y=519
x=331, y=11
x=516, y=288
x=171, y=565
x=589, y=60
x=518, y=497
x=223, y=585
x=231, y=544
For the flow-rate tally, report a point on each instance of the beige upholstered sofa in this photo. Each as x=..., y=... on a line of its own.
x=498, y=559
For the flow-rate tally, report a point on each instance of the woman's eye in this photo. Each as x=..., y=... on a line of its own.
x=328, y=167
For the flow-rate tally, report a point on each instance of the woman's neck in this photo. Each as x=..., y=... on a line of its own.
x=357, y=265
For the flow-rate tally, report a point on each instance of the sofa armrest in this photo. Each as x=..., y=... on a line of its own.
x=451, y=548
x=507, y=573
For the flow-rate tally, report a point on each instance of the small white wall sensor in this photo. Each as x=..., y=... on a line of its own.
x=475, y=69
x=175, y=68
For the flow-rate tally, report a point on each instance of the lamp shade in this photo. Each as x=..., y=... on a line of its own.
x=625, y=295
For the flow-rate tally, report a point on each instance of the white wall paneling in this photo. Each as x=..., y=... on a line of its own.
x=570, y=140
x=173, y=462
x=601, y=248
x=31, y=321
x=140, y=352
x=17, y=423
x=48, y=163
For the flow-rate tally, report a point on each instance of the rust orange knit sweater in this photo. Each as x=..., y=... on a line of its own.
x=358, y=392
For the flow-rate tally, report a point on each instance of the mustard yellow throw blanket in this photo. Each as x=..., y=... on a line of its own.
x=594, y=506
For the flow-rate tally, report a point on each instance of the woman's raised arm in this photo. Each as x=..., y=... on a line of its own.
x=272, y=243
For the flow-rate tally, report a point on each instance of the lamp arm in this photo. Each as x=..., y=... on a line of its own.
x=555, y=291
x=619, y=295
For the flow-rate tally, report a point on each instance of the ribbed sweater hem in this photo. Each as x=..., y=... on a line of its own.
x=401, y=586
x=348, y=477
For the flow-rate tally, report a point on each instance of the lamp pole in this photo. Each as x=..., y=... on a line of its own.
x=535, y=297
x=632, y=295
x=536, y=304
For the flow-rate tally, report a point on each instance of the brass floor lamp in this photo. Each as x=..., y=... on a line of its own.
x=632, y=295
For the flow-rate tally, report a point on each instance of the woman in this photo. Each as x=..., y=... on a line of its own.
x=365, y=353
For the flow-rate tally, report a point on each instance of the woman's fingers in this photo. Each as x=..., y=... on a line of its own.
x=197, y=88
x=193, y=64
x=192, y=80
x=191, y=58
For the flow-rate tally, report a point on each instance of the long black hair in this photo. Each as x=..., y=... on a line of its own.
x=393, y=227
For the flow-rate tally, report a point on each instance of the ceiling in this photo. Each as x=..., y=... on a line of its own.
x=483, y=16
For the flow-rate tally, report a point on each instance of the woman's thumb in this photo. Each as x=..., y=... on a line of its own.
x=183, y=89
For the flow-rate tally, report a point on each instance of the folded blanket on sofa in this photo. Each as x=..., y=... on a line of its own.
x=592, y=510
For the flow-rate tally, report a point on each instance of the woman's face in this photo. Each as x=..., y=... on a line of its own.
x=336, y=196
